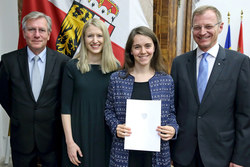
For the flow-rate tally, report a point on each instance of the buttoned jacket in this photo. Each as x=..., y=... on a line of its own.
x=33, y=123
x=120, y=89
x=220, y=123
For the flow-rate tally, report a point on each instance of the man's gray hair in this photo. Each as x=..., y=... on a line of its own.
x=35, y=15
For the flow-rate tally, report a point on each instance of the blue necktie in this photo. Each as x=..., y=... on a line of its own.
x=35, y=78
x=203, y=74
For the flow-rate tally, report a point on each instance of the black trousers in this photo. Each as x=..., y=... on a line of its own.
x=49, y=159
x=140, y=159
x=196, y=162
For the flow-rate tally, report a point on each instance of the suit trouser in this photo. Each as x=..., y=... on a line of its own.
x=196, y=162
x=31, y=159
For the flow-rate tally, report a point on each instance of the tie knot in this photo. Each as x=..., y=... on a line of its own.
x=36, y=58
x=205, y=54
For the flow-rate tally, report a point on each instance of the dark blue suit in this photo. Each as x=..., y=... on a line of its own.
x=220, y=124
x=34, y=125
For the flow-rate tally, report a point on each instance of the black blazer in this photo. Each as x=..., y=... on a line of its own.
x=33, y=124
x=220, y=124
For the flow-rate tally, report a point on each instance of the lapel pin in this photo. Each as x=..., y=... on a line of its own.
x=218, y=64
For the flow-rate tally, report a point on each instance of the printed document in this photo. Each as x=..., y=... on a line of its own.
x=143, y=117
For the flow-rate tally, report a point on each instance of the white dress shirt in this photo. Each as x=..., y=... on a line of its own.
x=210, y=58
x=41, y=62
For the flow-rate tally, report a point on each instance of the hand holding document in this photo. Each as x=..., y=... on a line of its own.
x=143, y=117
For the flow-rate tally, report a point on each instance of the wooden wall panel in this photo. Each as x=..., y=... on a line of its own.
x=165, y=27
x=186, y=39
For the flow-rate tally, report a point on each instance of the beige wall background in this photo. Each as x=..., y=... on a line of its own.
x=8, y=42
x=147, y=7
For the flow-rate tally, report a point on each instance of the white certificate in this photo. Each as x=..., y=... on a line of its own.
x=143, y=117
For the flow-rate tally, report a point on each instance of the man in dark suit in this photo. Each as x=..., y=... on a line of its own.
x=31, y=97
x=212, y=99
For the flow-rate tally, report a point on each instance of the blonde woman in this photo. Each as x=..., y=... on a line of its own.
x=84, y=88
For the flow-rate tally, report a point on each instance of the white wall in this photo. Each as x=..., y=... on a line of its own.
x=8, y=42
x=234, y=7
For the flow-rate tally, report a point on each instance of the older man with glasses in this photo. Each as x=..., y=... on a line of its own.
x=212, y=93
x=30, y=82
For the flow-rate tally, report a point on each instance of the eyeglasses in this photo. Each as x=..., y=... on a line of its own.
x=206, y=27
x=34, y=30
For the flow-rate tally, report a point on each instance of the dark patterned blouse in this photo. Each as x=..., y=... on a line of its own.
x=119, y=90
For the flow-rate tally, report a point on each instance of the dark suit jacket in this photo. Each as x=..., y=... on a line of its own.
x=33, y=124
x=220, y=124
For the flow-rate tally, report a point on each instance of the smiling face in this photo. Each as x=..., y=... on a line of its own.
x=36, y=34
x=94, y=40
x=206, y=36
x=142, y=50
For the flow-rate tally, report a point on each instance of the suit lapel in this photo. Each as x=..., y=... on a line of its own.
x=217, y=69
x=50, y=61
x=191, y=69
x=24, y=68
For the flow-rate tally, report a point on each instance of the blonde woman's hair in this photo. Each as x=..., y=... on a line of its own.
x=108, y=63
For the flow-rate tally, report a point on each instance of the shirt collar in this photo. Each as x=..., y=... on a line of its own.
x=31, y=55
x=212, y=51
